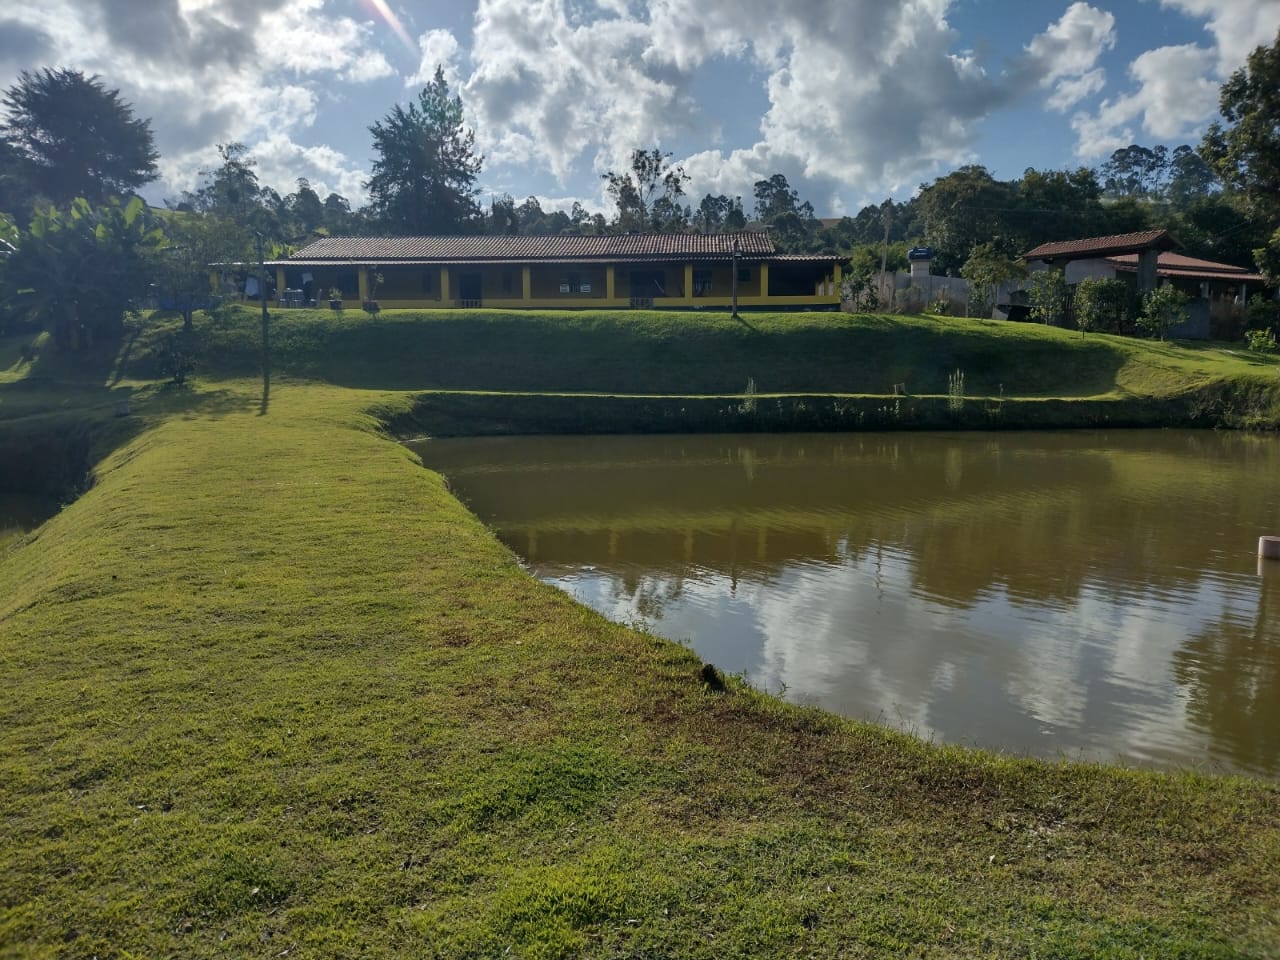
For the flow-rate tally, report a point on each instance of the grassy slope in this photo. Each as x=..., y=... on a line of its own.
x=622, y=352
x=269, y=687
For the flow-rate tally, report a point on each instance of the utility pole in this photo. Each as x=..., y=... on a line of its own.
x=266, y=330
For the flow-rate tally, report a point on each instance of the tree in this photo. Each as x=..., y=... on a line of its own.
x=966, y=208
x=426, y=167
x=305, y=211
x=1246, y=152
x=503, y=218
x=646, y=194
x=720, y=213
x=1191, y=179
x=78, y=271
x=76, y=138
x=1102, y=304
x=986, y=270
x=1135, y=171
x=181, y=262
x=1047, y=290
x=1053, y=205
x=790, y=221
x=1162, y=310
x=231, y=190
x=338, y=216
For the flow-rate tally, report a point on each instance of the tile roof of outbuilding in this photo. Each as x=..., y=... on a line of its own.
x=449, y=249
x=1104, y=246
x=1176, y=265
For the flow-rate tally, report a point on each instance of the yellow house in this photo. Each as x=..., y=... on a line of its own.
x=679, y=271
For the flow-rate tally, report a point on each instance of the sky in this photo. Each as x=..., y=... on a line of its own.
x=852, y=100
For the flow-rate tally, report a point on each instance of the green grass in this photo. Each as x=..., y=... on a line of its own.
x=269, y=687
x=651, y=353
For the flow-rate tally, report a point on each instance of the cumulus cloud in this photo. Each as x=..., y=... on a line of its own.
x=874, y=105
x=206, y=71
x=1066, y=53
x=1176, y=87
x=439, y=48
x=871, y=109
x=1237, y=26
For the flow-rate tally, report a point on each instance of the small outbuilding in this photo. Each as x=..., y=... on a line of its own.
x=1216, y=291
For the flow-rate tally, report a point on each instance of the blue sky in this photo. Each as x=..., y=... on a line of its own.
x=853, y=100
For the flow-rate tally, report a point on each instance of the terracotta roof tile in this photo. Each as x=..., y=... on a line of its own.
x=1102, y=246
x=1176, y=265
x=441, y=249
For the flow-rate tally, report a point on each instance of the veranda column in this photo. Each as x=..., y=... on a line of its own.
x=444, y=286
x=362, y=275
x=526, y=285
x=610, y=285
x=1148, y=278
x=279, y=283
x=688, y=283
x=764, y=279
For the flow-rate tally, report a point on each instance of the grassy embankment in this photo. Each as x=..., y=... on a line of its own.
x=269, y=687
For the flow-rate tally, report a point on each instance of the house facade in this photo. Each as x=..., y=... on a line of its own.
x=674, y=271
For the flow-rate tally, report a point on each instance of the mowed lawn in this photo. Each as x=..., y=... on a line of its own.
x=270, y=690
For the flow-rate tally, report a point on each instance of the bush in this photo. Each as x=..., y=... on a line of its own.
x=1105, y=305
x=1049, y=296
x=1162, y=309
x=1262, y=313
x=1261, y=341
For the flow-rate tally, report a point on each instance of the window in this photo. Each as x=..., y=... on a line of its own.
x=507, y=281
x=574, y=283
x=744, y=274
x=428, y=281
x=701, y=283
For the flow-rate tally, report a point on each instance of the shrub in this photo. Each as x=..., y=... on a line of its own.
x=1162, y=309
x=1049, y=296
x=1261, y=341
x=1103, y=305
x=1262, y=313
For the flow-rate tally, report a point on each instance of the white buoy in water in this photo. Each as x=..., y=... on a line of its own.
x=1269, y=548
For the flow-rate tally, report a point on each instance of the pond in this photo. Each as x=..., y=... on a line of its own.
x=20, y=513
x=1091, y=595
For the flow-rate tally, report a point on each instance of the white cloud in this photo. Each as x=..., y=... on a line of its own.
x=1175, y=94
x=208, y=72
x=1071, y=91
x=281, y=161
x=1238, y=26
x=1067, y=52
x=439, y=48
x=1177, y=87
x=877, y=105
x=303, y=40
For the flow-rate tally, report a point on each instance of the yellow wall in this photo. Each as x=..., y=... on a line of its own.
x=402, y=287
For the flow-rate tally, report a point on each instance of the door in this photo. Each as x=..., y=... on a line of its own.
x=469, y=289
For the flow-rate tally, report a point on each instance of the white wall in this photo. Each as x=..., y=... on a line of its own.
x=1077, y=270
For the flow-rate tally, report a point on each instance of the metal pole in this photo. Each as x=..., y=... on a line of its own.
x=884, y=253
x=736, y=253
x=266, y=330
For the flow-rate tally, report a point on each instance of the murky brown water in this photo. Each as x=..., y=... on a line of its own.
x=18, y=514
x=1089, y=595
